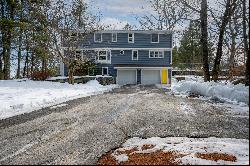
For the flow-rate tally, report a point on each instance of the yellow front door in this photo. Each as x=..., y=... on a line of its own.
x=164, y=76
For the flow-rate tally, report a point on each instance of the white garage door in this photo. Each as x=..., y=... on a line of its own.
x=126, y=77
x=150, y=77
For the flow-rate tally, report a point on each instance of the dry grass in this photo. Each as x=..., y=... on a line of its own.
x=155, y=158
x=217, y=156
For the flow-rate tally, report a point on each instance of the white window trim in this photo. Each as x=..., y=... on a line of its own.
x=133, y=56
x=113, y=38
x=107, y=71
x=133, y=38
x=97, y=41
x=103, y=55
x=154, y=54
x=152, y=38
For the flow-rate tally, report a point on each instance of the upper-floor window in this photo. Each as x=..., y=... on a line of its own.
x=114, y=37
x=98, y=37
x=131, y=38
x=156, y=54
x=155, y=38
x=134, y=54
x=78, y=55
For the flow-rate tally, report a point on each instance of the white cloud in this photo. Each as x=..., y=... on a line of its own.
x=113, y=23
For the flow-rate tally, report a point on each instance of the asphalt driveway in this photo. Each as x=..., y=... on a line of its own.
x=86, y=128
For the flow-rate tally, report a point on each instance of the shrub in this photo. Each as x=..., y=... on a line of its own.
x=40, y=75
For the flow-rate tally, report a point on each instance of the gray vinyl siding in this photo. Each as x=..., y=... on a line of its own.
x=143, y=58
x=141, y=40
x=111, y=70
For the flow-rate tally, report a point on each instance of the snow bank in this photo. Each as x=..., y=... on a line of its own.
x=225, y=92
x=22, y=96
x=75, y=77
x=190, y=146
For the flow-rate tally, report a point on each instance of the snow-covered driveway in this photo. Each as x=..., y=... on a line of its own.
x=80, y=131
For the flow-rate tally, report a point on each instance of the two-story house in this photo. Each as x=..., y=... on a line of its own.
x=132, y=56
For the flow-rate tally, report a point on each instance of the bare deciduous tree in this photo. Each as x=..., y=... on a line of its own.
x=68, y=29
x=230, y=7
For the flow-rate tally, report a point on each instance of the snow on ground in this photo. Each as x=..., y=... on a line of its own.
x=218, y=91
x=22, y=96
x=189, y=147
x=64, y=77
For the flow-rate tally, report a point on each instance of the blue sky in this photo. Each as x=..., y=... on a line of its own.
x=120, y=12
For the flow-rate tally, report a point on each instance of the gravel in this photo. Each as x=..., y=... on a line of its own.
x=84, y=129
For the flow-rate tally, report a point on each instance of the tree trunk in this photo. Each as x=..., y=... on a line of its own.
x=204, y=36
x=226, y=18
x=18, y=74
x=2, y=55
x=6, y=69
x=26, y=65
x=19, y=58
x=246, y=48
x=71, y=76
x=232, y=51
x=8, y=40
x=1, y=66
x=44, y=64
x=248, y=65
x=32, y=63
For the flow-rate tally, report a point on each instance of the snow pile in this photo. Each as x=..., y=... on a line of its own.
x=75, y=77
x=21, y=96
x=224, y=92
x=191, y=146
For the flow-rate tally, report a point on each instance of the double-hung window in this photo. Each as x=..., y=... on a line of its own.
x=155, y=38
x=156, y=54
x=98, y=37
x=134, y=54
x=131, y=37
x=102, y=56
x=114, y=37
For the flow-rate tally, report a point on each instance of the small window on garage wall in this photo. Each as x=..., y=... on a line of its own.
x=134, y=54
x=105, y=71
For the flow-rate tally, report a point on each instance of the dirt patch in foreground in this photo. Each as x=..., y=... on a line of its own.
x=155, y=158
x=216, y=156
x=159, y=157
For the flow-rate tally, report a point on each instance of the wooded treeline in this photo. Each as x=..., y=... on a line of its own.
x=217, y=36
x=31, y=34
